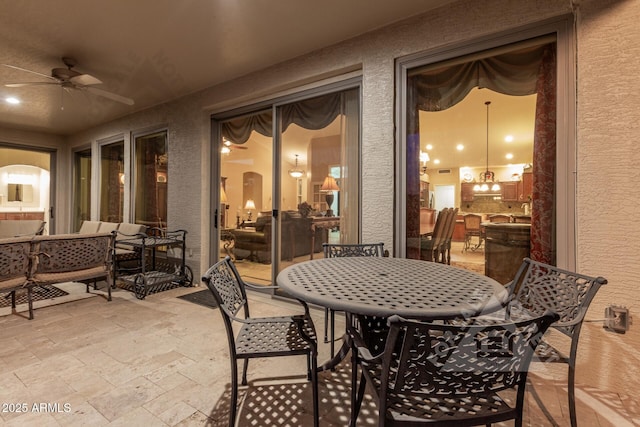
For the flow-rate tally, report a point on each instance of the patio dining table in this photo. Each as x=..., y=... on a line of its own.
x=381, y=287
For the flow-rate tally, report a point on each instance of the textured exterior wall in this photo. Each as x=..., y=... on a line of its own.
x=187, y=127
x=608, y=125
x=607, y=129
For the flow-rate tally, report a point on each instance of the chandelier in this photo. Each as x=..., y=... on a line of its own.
x=296, y=172
x=487, y=176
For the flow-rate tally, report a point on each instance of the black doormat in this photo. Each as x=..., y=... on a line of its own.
x=38, y=293
x=204, y=297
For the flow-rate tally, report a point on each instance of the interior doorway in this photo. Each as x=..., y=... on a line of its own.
x=25, y=185
x=445, y=196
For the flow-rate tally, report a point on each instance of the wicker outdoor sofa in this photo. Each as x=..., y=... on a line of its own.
x=26, y=262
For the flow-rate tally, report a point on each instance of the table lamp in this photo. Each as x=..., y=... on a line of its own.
x=249, y=206
x=329, y=186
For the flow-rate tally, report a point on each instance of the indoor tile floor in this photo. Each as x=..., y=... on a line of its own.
x=163, y=361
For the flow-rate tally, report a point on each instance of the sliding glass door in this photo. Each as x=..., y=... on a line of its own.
x=484, y=125
x=288, y=182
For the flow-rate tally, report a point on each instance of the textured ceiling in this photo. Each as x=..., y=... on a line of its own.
x=154, y=51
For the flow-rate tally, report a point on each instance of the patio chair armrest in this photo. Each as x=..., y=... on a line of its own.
x=360, y=346
x=257, y=320
x=259, y=287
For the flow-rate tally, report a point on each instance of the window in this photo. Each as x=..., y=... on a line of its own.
x=151, y=179
x=112, y=182
x=81, y=187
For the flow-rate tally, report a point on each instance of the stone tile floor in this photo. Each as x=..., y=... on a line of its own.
x=163, y=361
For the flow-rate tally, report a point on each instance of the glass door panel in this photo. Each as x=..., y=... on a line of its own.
x=487, y=137
x=81, y=188
x=112, y=182
x=319, y=177
x=151, y=179
x=245, y=219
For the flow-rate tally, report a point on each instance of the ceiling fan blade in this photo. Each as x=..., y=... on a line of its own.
x=29, y=71
x=110, y=95
x=85, y=80
x=30, y=84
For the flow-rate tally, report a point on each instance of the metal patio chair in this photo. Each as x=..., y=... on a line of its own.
x=259, y=337
x=334, y=250
x=538, y=287
x=446, y=374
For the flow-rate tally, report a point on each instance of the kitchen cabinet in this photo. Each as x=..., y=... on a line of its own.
x=506, y=244
x=466, y=191
x=509, y=191
x=526, y=187
x=22, y=215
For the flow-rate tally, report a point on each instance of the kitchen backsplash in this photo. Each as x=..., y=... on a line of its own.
x=489, y=205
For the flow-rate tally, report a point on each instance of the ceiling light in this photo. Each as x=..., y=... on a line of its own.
x=508, y=138
x=12, y=100
x=296, y=172
x=436, y=161
x=509, y=156
x=459, y=147
x=429, y=147
x=487, y=175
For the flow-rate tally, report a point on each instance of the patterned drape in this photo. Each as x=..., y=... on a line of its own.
x=315, y=113
x=543, y=247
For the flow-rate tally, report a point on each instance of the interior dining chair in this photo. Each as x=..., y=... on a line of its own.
x=538, y=287
x=337, y=250
x=472, y=228
x=259, y=337
x=441, y=374
x=445, y=247
x=430, y=244
x=499, y=218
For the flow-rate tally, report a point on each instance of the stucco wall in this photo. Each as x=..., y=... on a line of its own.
x=608, y=122
x=187, y=127
x=607, y=129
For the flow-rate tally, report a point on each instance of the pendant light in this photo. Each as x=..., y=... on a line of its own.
x=487, y=175
x=296, y=172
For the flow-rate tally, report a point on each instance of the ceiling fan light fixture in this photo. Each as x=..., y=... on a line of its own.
x=68, y=78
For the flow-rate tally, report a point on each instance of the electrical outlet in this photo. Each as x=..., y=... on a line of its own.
x=617, y=319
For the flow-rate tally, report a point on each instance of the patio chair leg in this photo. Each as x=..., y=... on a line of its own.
x=234, y=393
x=244, y=371
x=326, y=325
x=314, y=385
x=571, y=393
x=30, y=300
x=332, y=332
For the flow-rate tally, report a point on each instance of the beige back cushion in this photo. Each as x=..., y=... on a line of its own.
x=130, y=229
x=89, y=227
x=108, y=227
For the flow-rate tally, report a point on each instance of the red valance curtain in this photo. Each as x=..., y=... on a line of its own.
x=521, y=71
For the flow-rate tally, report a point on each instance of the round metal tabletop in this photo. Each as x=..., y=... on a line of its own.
x=382, y=287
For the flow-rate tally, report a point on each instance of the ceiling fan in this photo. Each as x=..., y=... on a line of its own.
x=228, y=146
x=68, y=78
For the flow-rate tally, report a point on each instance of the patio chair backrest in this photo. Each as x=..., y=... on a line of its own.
x=539, y=287
x=224, y=281
x=335, y=250
x=423, y=358
x=14, y=260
